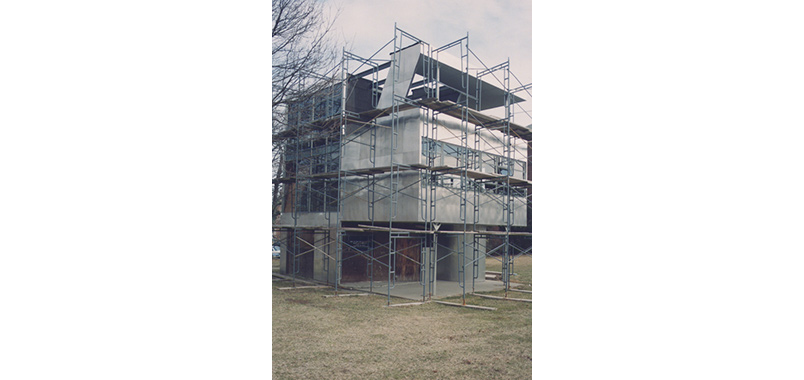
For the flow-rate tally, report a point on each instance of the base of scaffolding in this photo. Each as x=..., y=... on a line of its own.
x=413, y=290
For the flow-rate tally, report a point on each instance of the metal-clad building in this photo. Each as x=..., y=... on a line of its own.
x=394, y=172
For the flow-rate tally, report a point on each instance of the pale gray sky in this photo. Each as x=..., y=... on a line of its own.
x=498, y=30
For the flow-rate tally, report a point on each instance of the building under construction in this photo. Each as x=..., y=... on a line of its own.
x=394, y=171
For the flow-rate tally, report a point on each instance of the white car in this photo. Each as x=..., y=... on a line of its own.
x=275, y=251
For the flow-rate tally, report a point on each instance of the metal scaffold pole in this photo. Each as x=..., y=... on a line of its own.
x=341, y=127
x=509, y=170
x=394, y=172
x=464, y=98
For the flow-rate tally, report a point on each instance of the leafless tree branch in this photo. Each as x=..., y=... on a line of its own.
x=301, y=45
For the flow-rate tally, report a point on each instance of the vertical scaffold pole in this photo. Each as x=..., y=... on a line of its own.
x=509, y=148
x=464, y=100
x=393, y=175
x=341, y=140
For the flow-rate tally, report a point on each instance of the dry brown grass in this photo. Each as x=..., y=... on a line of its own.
x=357, y=337
x=522, y=268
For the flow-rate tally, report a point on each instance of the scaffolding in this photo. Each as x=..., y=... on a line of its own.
x=358, y=114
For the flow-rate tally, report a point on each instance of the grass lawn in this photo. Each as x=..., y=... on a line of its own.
x=358, y=337
x=522, y=269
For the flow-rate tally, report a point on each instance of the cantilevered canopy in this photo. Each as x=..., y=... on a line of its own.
x=411, y=62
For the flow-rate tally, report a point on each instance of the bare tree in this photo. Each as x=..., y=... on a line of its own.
x=302, y=50
x=301, y=46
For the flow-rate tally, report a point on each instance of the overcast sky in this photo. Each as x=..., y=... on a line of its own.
x=498, y=30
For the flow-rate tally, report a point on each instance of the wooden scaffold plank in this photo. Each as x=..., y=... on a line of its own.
x=347, y=295
x=407, y=304
x=304, y=287
x=502, y=298
x=469, y=306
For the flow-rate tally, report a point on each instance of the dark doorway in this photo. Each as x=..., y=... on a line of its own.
x=299, y=244
x=368, y=254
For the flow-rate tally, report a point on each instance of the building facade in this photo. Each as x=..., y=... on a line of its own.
x=396, y=171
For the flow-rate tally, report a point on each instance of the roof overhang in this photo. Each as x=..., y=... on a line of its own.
x=412, y=61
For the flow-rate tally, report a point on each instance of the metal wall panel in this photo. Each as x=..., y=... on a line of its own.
x=357, y=153
x=408, y=59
